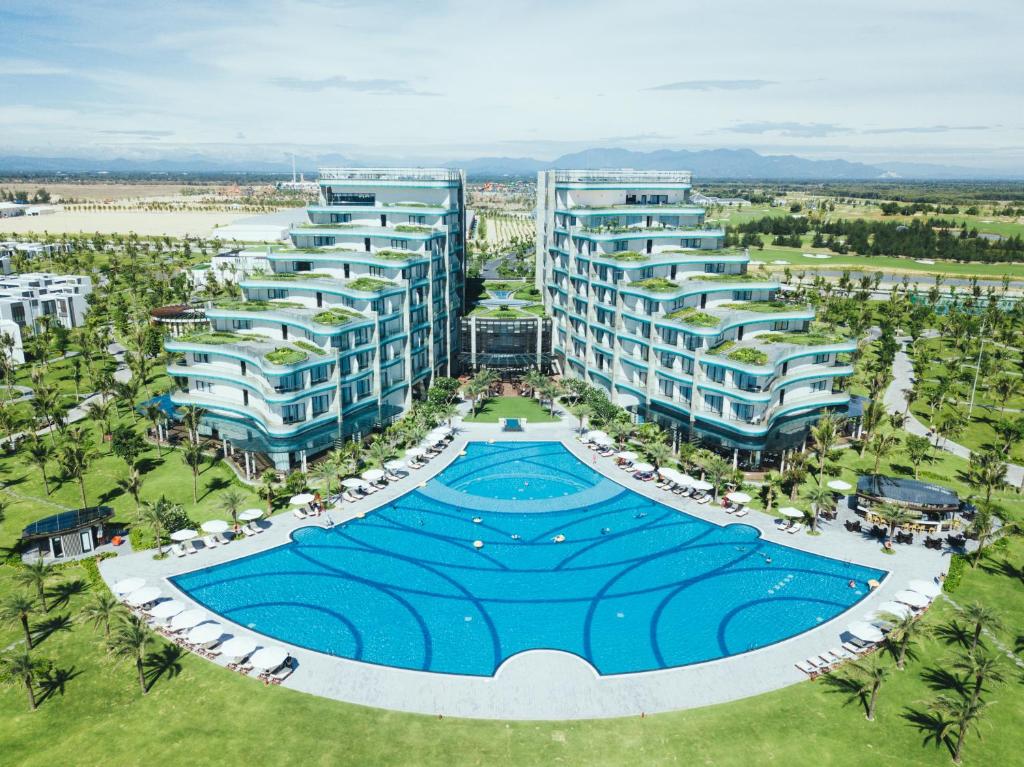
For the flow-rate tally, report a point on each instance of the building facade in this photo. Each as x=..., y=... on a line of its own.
x=343, y=328
x=25, y=299
x=648, y=305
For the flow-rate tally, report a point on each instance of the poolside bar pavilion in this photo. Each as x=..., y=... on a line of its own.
x=68, y=534
x=936, y=505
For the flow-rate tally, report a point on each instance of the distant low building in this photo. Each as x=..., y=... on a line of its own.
x=11, y=209
x=32, y=249
x=251, y=233
x=26, y=298
x=703, y=199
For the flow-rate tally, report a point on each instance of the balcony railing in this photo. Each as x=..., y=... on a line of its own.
x=389, y=174
x=624, y=175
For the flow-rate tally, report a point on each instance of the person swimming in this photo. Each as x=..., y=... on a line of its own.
x=605, y=530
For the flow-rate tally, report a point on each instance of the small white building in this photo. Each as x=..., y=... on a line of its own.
x=12, y=248
x=232, y=266
x=11, y=209
x=25, y=298
x=268, y=232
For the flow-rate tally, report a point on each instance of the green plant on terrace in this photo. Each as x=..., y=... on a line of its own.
x=749, y=356
x=335, y=316
x=413, y=228
x=393, y=255
x=626, y=255
x=369, y=284
x=763, y=307
x=255, y=305
x=311, y=348
x=655, y=285
x=211, y=337
x=692, y=316
x=285, y=355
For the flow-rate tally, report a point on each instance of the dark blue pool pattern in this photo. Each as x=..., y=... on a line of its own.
x=634, y=586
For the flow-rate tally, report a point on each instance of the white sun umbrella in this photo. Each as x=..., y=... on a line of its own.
x=930, y=589
x=238, y=647
x=436, y=436
x=838, y=484
x=442, y=429
x=686, y=480
x=214, y=526
x=866, y=632
x=301, y=499
x=890, y=608
x=205, y=632
x=250, y=514
x=738, y=497
x=415, y=452
x=128, y=585
x=372, y=475
x=594, y=436
x=700, y=484
x=626, y=455
x=268, y=657
x=643, y=468
x=671, y=475
x=353, y=482
x=791, y=512
x=167, y=609
x=188, y=619
x=186, y=534
x=394, y=465
x=143, y=596
x=911, y=598
x=603, y=440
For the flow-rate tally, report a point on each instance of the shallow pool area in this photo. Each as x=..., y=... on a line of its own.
x=569, y=560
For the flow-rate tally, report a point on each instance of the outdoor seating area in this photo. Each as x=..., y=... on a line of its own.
x=195, y=631
x=869, y=634
x=186, y=542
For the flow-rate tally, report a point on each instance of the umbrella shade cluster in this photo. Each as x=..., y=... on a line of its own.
x=214, y=526
x=929, y=589
x=643, y=468
x=911, y=598
x=626, y=455
x=143, y=596
x=183, y=535
x=791, y=512
x=128, y=585
x=301, y=499
x=187, y=619
x=268, y=657
x=205, y=633
x=238, y=647
x=738, y=497
x=597, y=437
x=372, y=475
x=250, y=514
x=866, y=632
x=167, y=609
x=839, y=485
x=394, y=465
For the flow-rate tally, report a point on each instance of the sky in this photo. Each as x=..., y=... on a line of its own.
x=908, y=80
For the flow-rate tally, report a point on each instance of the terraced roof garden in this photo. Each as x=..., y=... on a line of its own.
x=285, y=355
x=312, y=348
x=255, y=305
x=764, y=307
x=370, y=284
x=816, y=336
x=749, y=356
x=625, y=255
x=290, y=276
x=418, y=228
x=693, y=316
x=393, y=255
x=655, y=285
x=336, y=316
x=745, y=277
x=211, y=338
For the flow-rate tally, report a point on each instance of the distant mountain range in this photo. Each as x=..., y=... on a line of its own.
x=738, y=164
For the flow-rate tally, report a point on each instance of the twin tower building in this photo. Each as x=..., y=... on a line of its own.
x=339, y=331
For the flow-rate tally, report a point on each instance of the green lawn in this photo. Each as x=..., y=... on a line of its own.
x=892, y=264
x=217, y=717
x=511, y=407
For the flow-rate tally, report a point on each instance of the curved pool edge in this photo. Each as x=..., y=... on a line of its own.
x=553, y=684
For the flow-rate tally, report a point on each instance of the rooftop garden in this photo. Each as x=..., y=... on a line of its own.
x=745, y=277
x=749, y=356
x=818, y=335
x=285, y=355
x=211, y=337
x=337, y=225
x=393, y=255
x=693, y=316
x=764, y=307
x=655, y=285
x=255, y=305
x=626, y=255
x=335, y=316
x=370, y=284
x=417, y=228
x=290, y=276
x=311, y=348
x=502, y=285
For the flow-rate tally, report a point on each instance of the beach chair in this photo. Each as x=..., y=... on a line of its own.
x=248, y=531
x=820, y=664
x=221, y=539
x=209, y=542
x=299, y=513
x=256, y=527
x=283, y=671
x=795, y=528
x=741, y=512
x=177, y=550
x=839, y=654
x=807, y=668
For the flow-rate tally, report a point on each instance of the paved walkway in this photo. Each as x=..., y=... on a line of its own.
x=544, y=684
x=895, y=401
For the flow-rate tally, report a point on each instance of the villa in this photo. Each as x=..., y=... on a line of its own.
x=338, y=332
x=26, y=298
x=649, y=306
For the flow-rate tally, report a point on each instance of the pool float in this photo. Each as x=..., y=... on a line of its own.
x=477, y=520
x=559, y=538
x=478, y=544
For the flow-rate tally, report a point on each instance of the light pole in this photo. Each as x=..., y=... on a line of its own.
x=977, y=369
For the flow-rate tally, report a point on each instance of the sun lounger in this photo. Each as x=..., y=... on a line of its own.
x=806, y=667
x=299, y=513
x=795, y=528
x=283, y=672
x=702, y=498
x=819, y=663
x=177, y=550
x=210, y=542
x=248, y=531
x=221, y=539
x=856, y=649
x=741, y=512
x=840, y=655
x=256, y=527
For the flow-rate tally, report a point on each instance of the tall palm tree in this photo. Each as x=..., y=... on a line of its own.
x=919, y=450
x=131, y=483
x=75, y=458
x=960, y=715
x=582, y=411
x=982, y=618
x=771, y=489
x=156, y=416
x=550, y=390
x=619, y=430
x=904, y=631
x=268, y=489
x=870, y=673
x=101, y=412
x=474, y=389
x=191, y=416
x=822, y=499
x=19, y=667
x=192, y=456
x=153, y=518
x=824, y=437
x=894, y=516
x=40, y=452
x=881, y=445
x=380, y=451
x=873, y=415
x=35, y=575
x=101, y=610
x=130, y=640
x=980, y=667
x=987, y=471
x=16, y=609
x=658, y=453
x=231, y=502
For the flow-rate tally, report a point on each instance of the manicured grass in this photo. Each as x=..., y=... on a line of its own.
x=892, y=264
x=511, y=407
x=221, y=718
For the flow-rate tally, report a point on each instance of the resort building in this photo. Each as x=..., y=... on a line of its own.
x=29, y=250
x=649, y=306
x=25, y=299
x=506, y=330
x=340, y=330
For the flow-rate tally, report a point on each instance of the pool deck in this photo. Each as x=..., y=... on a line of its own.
x=545, y=684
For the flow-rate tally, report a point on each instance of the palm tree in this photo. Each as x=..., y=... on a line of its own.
x=534, y=381
x=191, y=417
x=959, y=714
x=582, y=411
x=131, y=483
x=380, y=451
x=130, y=640
x=870, y=672
x=101, y=412
x=919, y=450
x=881, y=445
x=16, y=609
x=153, y=517
x=231, y=502
x=75, y=459
x=904, y=631
x=156, y=416
x=19, y=667
x=983, y=528
x=825, y=437
x=982, y=618
x=658, y=453
x=822, y=499
x=268, y=489
x=874, y=413
x=192, y=456
x=40, y=452
x=34, y=576
x=101, y=610
x=716, y=469
x=1005, y=387
x=474, y=389
x=981, y=667
x=771, y=489
x=987, y=470
x=551, y=390
x=894, y=516
x=620, y=430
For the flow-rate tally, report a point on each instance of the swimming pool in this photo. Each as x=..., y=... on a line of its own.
x=634, y=586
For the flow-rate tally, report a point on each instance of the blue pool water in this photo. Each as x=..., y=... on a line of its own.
x=636, y=585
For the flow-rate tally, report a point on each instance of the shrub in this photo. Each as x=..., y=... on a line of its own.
x=957, y=565
x=284, y=355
